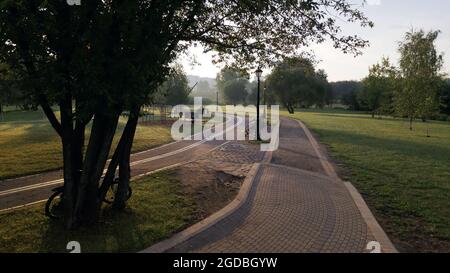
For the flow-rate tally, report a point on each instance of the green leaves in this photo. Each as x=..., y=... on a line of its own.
x=379, y=87
x=295, y=82
x=420, y=66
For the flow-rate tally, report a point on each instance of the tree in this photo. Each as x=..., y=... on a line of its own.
x=175, y=89
x=420, y=66
x=206, y=91
x=379, y=87
x=101, y=58
x=232, y=84
x=235, y=91
x=324, y=95
x=444, y=95
x=343, y=90
x=295, y=82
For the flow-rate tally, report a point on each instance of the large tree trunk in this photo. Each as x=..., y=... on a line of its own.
x=290, y=108
x=124, y=166
x=68, y=166
x=117, y=156
x=411, y=123
x=87, y=205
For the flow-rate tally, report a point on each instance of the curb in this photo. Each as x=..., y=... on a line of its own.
x=329, y=169
x=190, y=232
x=377, y=231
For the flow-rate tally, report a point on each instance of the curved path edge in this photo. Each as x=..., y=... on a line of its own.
x=377, y=231
x=208, y=222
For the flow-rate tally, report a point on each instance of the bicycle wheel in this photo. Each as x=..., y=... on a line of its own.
x=54, y=207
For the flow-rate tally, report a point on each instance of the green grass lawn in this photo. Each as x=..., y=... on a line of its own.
x=404, y=176
x=33, y=147
x=22, y=116
x=157, y=209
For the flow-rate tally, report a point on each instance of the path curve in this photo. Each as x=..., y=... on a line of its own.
x=296, y=204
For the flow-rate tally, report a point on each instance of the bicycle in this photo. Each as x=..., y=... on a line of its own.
x=54, y=206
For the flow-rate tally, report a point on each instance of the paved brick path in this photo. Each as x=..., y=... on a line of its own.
x=292, y=207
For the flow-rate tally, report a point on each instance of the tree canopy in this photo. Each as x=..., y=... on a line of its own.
x=235, y=91
x=379, y=87
x=294, y=81
x=420, y=67
x=175, y=89
x=232, y=84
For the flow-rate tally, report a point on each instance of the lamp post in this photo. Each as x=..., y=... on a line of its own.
x=258, y=75
x=264, y=98
x=217, y=100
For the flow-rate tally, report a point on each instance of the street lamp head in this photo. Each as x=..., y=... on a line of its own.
x=258, y=73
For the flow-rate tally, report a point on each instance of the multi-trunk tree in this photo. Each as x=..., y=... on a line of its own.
x=101, y=58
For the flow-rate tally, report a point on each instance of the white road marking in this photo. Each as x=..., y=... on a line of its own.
x=133, y=178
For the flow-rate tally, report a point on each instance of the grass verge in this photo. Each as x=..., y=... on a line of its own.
x=404, y=176
x=158, y=208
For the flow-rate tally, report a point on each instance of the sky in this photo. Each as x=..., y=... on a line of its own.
x=392, y=18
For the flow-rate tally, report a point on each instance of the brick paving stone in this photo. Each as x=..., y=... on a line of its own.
x=292, y=206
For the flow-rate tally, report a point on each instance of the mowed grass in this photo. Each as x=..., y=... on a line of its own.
x=157, y=209
x=404, y=176
x=22, y=116
x=33, y=147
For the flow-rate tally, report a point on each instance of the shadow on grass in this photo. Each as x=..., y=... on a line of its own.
x=116, y=232
x=158, y=208
x=408, y=148
x=383, y=118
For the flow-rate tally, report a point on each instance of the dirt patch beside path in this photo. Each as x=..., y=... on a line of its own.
x=214, y=180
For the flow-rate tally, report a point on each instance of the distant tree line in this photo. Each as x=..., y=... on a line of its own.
x=293, y=82
x=11, y=93
x=415, y=88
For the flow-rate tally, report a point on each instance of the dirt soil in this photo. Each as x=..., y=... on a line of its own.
x=214, y=180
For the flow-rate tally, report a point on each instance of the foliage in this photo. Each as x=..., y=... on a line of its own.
x=420, y=66
x=175, y=89
x=379, y=87
x=235, y=92
x=232, y=84
x=10, y=93
x=295, y=82
x=350, y=99
x=205, y=91
x=342, y=90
